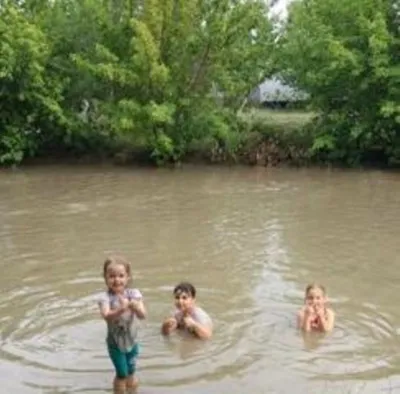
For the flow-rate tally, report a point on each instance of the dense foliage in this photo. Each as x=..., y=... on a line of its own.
x=346, y=55
x=87, y=75
x=163, y=77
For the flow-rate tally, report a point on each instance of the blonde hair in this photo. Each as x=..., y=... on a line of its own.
x=116, y=259
x=313, y=286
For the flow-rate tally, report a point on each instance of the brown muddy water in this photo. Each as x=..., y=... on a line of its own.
x=250, y=239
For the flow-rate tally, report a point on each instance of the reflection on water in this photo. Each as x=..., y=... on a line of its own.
x=250, y=240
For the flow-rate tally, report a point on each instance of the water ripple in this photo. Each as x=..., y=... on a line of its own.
x=250, y=240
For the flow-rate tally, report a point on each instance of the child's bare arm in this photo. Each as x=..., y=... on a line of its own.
x=300, y=319
x=110, y=314
x=203, y=331
x=304, y=318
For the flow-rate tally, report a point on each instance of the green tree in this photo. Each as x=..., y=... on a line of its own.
x=29, y=98
x=185, y=70
x=83, y=75
x=346, y=56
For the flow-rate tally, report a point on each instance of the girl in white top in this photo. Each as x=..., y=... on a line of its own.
x=120, y=307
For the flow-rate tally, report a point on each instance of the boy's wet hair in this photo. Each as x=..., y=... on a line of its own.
x=185, y=287
x=116, y=259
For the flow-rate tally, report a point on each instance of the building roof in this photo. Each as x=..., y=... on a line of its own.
x=275, y=90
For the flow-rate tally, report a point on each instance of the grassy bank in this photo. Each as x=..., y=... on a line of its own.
x=264, y=137
x=273, y=137
x=279, y=119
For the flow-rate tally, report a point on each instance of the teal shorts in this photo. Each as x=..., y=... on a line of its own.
x=124, y=362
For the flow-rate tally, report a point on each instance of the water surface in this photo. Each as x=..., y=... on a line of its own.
x=250, y=239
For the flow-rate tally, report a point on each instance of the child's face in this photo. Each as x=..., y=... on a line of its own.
x=315, y=297
x=183, y=301
x=116, y=278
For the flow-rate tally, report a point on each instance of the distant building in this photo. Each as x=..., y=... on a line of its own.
x=274, y=93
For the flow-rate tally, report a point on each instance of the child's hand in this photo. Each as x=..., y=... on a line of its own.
x=309, y=310
x=171, y=324
x=189, y=322
x=123, y=302
x=319, y=311
x=134, y=305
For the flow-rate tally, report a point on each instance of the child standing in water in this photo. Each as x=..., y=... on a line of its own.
x=120, y=307
x=188, y=316
x=315, y=315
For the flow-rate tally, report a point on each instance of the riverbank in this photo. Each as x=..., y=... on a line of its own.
x=264, y=137
x=274, y=138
